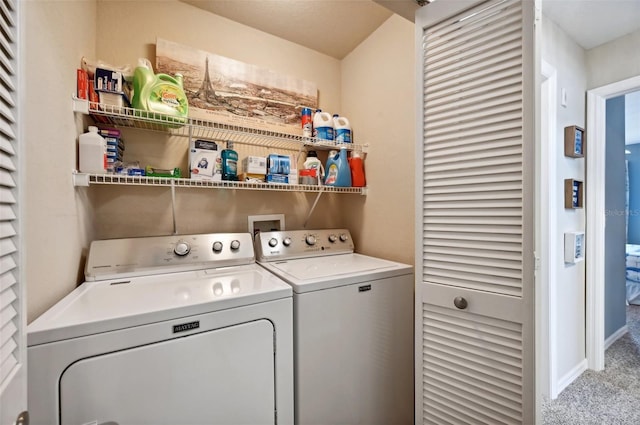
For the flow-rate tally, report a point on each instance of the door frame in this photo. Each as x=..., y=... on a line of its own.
x=546, y=232
x=595, y=215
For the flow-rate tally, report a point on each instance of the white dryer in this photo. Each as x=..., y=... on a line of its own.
x=166, y=330
x=353, y=328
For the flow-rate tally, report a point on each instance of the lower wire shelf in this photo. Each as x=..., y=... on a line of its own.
x=83, y=179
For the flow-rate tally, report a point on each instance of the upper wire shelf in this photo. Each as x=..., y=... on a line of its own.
x=83, y=179
x=201, y=129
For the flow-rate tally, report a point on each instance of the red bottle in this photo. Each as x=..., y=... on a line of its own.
x=356, y=163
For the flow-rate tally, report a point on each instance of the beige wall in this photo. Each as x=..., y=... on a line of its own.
x=57, y=216
x=62, y=219
x=378, y=95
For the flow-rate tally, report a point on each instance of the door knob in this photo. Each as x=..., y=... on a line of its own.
x=460, y=302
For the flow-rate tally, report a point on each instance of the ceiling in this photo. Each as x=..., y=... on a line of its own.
x=332, y=27
x=591, y=23
x=336, y=27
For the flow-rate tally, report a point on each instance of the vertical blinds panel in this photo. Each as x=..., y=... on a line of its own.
x=472, y=176
x=10, y=312
x=472, y=368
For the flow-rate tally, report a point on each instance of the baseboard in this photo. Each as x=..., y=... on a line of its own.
x=571, y=376
x=615, y=336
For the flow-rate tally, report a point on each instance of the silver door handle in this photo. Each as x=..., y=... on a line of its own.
x=460, y=303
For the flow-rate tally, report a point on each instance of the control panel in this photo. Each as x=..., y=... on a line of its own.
x=289, y=244
x=163, y=254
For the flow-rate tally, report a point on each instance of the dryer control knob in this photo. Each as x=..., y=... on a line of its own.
x=286, y=241
x=333, y=238
x=235, y=245
x=182, y=248
x=310, y=240
x=344, y=237
x=217, y=246
x=273, y=242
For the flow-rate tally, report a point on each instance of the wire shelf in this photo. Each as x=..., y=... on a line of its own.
x=83, y=179
x=201, y=129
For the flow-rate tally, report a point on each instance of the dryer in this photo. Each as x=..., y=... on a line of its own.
x=166, y=330
x=353, y=328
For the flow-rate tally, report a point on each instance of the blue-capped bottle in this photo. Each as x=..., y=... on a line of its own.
x=229, y=163
x=337, y=172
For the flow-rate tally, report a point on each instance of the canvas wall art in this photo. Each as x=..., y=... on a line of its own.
x=225, y=90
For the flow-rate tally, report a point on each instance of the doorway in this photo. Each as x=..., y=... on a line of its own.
x=595, y=209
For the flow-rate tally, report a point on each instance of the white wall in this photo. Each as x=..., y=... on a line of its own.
x=614, y=61
x=568, y=286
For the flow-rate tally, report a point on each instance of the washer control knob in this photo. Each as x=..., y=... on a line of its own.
x=273, y=242
x=217, y=246
x=344, y=237
x=286, y=241
x=333, y=238
x=182, y=248
x=310, y=240
x=235, y=245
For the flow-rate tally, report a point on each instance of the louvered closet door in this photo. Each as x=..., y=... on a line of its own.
x=474, y=312
x=12, y=304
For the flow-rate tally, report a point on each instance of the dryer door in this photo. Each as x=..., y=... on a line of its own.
x=221, y=376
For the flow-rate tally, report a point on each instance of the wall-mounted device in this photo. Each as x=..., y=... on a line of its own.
x=573, y=247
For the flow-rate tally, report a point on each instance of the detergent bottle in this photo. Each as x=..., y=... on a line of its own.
x=160, y=93
x=313, y=163
x=342, y=129
x=337, y=170
x=323, y=125
x=92, y=152
x=356, y=164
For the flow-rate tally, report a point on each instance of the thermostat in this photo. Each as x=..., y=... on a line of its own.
x=573, y=247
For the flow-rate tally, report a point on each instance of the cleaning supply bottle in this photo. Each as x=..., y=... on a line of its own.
x=92, y=152
x=337, y=170
x=313, y=163
x=356, y=163
x=342, y=129
x=160, y=93
x=322, y=125
x=229, y=163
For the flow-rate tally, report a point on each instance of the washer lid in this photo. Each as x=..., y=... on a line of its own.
x=311, y=274
x=104, y=306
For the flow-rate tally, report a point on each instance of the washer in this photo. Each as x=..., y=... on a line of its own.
x=166, y=330
x=353, y=328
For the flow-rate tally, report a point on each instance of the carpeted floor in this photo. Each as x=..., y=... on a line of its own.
x=608, y=397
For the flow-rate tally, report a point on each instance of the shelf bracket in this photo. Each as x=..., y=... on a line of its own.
x=173, y=207
x=80, y=179
x=313, y=207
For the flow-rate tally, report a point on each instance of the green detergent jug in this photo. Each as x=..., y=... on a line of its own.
x=162, y=95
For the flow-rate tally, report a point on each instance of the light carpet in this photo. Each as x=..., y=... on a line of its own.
x=608, y=397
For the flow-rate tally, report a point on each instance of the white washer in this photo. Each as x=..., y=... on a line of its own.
x=166, y=330
x=353, y=328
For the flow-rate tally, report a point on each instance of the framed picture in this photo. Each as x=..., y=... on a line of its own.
x=573, y=193
x=574, y=141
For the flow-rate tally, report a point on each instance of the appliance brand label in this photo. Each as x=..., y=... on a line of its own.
x=183, y=327
x=364, y=288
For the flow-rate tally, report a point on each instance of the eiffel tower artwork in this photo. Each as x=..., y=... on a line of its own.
x=205, y=92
